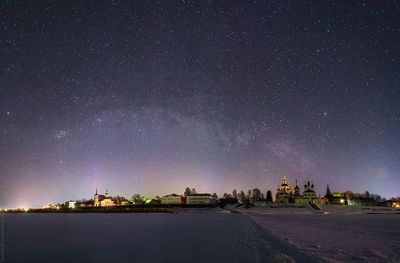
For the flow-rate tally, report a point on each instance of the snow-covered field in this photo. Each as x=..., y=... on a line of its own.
x=204, y=235
x=335, y=234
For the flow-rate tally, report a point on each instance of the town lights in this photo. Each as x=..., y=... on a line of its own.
x=341, y=201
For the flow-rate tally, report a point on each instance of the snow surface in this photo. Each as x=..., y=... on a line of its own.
x=335, y=234
x=184, y=237
x=205, y=235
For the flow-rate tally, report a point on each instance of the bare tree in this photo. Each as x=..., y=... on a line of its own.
x=137, y=198
x=187, y=191
x=234, y=194
x=256, y=194
x=249, y=195
x=241, y=196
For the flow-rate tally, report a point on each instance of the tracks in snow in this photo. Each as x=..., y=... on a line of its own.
x=264, y=246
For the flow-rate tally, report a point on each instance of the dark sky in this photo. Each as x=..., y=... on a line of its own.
x=152, y=96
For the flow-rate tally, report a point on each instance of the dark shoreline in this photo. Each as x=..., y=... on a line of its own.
x=118, y=209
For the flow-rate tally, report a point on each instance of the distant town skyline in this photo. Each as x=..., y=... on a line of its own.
x=284, y=193
x=149, y=97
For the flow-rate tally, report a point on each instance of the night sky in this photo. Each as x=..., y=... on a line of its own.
x=152, y=96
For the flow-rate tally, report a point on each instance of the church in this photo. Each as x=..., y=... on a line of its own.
x=284, y=194
x=103, y=200
x=309, y=195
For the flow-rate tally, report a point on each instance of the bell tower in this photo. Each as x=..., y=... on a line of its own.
x=297, y=190
x=96, y=199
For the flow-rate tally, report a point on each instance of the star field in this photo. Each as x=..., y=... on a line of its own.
x=153, y=96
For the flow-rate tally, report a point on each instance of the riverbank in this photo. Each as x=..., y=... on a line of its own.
x=112, y=209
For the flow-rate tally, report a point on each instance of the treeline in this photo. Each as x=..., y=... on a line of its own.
x=366, y=195
x=251, y=196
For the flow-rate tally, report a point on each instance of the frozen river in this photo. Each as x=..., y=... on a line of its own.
x=338, y=237
x=208, y=236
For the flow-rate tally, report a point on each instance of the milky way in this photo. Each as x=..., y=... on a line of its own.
x=150, y=97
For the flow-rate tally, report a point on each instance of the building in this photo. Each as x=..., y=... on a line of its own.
x=103, y=200
x=51, y=206
x=339, y=199
x=125, y=203
x=328, y=198
x=296, y=194
x=172, y=199
x=308, y=196
x=71, y=204
x=199, y=199
x=84, y=203
x=120, y=201
x=284, y=193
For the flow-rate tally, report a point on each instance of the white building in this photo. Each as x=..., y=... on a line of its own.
x=125, y=202
x=103, y=200
x=199, y=199
x=172, y=199
x=71, y=204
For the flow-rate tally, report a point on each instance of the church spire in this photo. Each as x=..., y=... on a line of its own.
x=328, y=191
